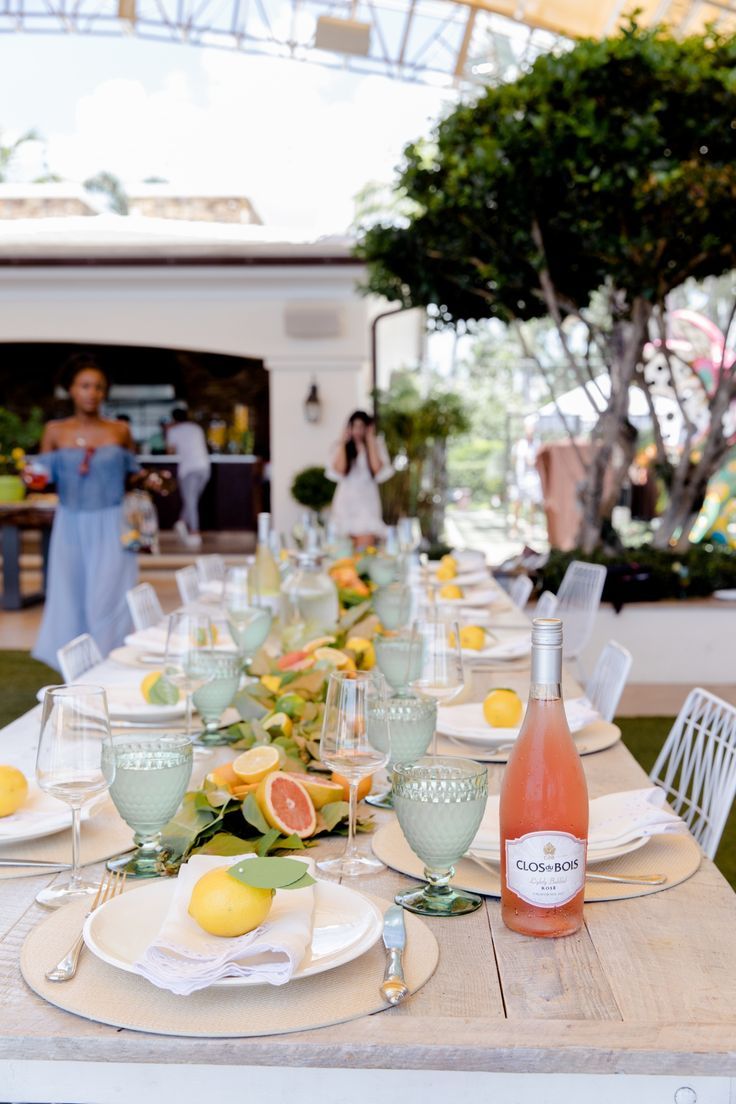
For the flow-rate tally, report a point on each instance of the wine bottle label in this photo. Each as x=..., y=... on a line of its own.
x=546, y=869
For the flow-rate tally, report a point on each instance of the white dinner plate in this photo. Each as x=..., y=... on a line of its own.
x=126, y=703
x=473, y=598
x=40, y=815
x=467, y=723
x=594, y=857
x=152, y=641
x=346, y=925
x=467, y=578
x=129, y=656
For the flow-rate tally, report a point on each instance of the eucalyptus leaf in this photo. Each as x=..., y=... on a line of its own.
x=291, y=843
x=249, y=707
x=266, y=842
x=254, y=816
x=225, y=843
x=333, y=813
x=353, y=616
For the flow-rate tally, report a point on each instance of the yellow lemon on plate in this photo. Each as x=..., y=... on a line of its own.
x=255, y=764
x=364, y=650
x=158, y=690
x=445, y=572
x=472, y=637
x=13, y=790
x=503, y=708
x=222, y=905
x=451, y=590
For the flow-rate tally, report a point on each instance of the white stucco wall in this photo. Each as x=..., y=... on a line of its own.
x=236, y=310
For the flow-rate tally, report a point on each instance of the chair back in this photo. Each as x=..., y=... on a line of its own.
x=78, y=656
x=606, y=684
x=145, y=608
x=697, y=766
x=578, y=600
x=519, y=590
x=210, y=569
x=546, y=605
x=188, y=584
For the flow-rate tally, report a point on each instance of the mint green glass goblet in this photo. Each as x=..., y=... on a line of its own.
x=249, y=627
x=149, y=774
x=398, y=661
x=440, y=801
x=212, y=699
x=403, y=727
x=382, y=569
x=392, y=604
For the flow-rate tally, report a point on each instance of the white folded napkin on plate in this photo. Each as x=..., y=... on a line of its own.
x=615, y=819
x=153, y=639
x=184, y=958
x=514, y=647
x=466, y=721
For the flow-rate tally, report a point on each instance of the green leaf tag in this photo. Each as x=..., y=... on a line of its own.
x=269, y=873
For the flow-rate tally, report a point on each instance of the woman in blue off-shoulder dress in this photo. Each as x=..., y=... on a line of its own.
x=89, y=458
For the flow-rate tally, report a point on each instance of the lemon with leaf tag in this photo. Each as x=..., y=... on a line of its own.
x=223, y=906
x=158, y=690
x=503, y=708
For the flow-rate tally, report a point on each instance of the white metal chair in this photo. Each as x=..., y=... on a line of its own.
x=188, y=584
x=578, y=600
x=78, y=656
x=546, y=605
x=697, y=766
x=605, y=686
x=519, y=590
x=210, y=569
x=145, y=608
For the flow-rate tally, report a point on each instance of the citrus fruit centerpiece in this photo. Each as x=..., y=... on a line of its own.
x=13, y=790
x=503, y=708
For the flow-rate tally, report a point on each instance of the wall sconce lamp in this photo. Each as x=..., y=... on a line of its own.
x=313, y=404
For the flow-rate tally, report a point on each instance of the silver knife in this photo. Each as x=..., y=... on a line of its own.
x=394, y=987
x=35, y=862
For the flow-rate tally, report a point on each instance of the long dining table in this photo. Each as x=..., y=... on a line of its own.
x=647, y=990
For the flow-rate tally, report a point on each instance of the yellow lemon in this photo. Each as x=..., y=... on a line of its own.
x=279, y=720
x=449, y=561
x=364, y=650
x=271, y=682
x=13, y=790
x=255, y=764
x=503, y=709
x=224, y=906
x=451, y=590
x=319, y=642
x=445, y=572
x=472, y=637
x=333, y=656
x=158, y=690
x=148, y=683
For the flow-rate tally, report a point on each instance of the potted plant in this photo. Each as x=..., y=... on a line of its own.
x=311, y=488
x=17, y=436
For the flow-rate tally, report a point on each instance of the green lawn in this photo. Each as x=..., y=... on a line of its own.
x=21, y=676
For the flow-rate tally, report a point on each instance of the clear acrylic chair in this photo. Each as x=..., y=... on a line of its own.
x=145, y=608
x=78, y=656
x=210, y=569
x=188, y=584
x=697, y=766
x=605, y=686
x=578, y=600
x=546, y=605
x=519, y=590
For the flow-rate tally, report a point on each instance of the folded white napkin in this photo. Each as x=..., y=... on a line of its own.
x=184, y=958
x=615, y=819
x=467, y=721
x=153, y=639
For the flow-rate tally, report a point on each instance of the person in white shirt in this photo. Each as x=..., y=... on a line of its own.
x=188, y=441
x=358, y=464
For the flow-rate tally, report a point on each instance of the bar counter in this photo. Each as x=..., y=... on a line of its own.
x=231, y=500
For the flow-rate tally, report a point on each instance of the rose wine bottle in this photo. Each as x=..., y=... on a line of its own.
x=544, y=806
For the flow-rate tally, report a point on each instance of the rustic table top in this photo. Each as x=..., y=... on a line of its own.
x=648, y=986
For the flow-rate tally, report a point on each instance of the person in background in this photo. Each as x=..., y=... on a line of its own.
x=358, y=464
x=157, y=443
x=91, y=460
x=188, y=441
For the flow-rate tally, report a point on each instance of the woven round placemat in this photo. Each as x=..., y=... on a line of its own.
x=102, y=993
x=102, y=836
x=677, y=856
x=596, y=736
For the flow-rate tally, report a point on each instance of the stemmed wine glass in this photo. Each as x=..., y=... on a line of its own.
x=348, y=746
x=436, y=654
x=75, y=729
x=249, y=622
x=189, y=639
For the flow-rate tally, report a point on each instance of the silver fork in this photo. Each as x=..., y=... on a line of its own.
x=66, y=968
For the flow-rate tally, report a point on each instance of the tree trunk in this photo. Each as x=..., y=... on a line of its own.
x=626, y=345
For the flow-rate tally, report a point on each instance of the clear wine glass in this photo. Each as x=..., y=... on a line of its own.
x=75, y=729
x=348, y=748
x=436, y=654
x=190, y=636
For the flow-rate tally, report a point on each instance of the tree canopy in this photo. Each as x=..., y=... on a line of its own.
x=613, y=163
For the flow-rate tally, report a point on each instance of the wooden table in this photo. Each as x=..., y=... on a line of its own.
x=14, y=518
x=647, y=989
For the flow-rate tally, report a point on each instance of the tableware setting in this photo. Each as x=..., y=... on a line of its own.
x=39, y=816
x=466, y=725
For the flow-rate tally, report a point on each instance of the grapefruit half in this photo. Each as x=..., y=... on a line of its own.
x=286, y=805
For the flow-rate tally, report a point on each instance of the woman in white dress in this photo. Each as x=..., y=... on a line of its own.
x=358, y=464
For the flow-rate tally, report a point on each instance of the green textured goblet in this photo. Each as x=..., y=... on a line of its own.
x=382, y=569
x=398, y=661
x=392, y=604
x=212, y=699
x=403, y=727
x=440, y=801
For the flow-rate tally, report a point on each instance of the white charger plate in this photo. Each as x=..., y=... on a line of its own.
x=466, y=723
x=346, y=925
x=594, y=857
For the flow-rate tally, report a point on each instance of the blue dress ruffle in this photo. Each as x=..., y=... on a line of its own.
x=89, y=571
